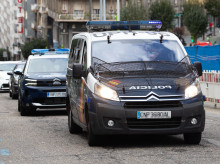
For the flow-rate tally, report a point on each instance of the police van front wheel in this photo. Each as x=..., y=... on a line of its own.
x=73, y=128
x=192, y=138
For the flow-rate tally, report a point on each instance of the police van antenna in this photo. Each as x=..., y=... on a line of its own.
x=108, y=38
x=161, y=38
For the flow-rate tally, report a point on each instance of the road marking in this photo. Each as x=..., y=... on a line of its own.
x=213, y=141
x=4, y=152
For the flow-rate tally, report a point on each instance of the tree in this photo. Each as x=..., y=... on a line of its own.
x=213, y=8
x=164, y=12
x=34, y=44
x=133, y=11
x=195, y=19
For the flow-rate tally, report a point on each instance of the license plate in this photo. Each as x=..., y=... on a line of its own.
x=153, y=114
x=56, y=94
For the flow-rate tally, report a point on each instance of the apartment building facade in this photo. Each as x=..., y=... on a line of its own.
x=58, y=20
x=11, y=29
x=29, y=23
x=16, y=25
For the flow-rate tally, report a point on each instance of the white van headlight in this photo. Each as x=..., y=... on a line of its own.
x=106, y=92
x=193, y=90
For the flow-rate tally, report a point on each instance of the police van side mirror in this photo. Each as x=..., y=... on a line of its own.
x=9, y=73
x=198, y=67
x=18, y=73
x=77, y=70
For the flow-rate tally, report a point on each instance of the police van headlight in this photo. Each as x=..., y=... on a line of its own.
x=31, y=82
x=193, y=90
x=105, y=92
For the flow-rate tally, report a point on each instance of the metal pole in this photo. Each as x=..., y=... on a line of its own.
x=118, y=10
x=101, y=12
x=90, y=10
x=104, y=9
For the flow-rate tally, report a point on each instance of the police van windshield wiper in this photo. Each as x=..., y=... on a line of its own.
x=99, y=60
x=183, y=58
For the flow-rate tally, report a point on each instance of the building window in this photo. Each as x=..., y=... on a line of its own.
x=95, y=14
x=65, y=7
x=78, y=14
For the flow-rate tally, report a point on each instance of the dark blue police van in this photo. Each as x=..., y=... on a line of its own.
x=133, y=82
x=42, y=83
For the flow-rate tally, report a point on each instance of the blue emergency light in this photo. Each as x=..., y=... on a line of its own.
x=123, y=25
x=50, y=51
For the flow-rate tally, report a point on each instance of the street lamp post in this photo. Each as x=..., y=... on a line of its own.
x=104, y=9
x=118, y=10
x=101, y=13
x=90, y=10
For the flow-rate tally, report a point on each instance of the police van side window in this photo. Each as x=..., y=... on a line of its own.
x=84, y=57
x=77, y=51
x=73, y=47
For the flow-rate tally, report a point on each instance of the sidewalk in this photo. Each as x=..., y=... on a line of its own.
x=212, y=38
x=211, y=105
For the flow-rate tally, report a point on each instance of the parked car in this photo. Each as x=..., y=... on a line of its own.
x=132, y=82
x=5, y=67
x=42, y=83
x=13, y=80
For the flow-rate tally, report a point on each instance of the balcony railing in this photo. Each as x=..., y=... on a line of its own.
x=72, y=16
x=84, y=16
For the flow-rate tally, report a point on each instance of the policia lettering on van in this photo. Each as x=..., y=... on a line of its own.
x=132, y=82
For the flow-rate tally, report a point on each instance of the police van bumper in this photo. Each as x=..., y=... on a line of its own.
x=37, y=97
x=113, y=118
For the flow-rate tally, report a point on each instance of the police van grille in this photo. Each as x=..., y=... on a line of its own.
x=153, y=104
x=51, y=100
x=49, y=83
x=134, y=123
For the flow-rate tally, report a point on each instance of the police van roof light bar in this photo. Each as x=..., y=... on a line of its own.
x=43, y=51
x=123, y=25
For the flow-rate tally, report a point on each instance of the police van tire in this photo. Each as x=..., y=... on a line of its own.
x=14, y=96
x=73, y=128
x=192, y=138
x=10, y=94
x=23, y=111
x=21, y=108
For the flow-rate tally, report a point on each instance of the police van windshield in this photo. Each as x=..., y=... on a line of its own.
x=47, y=65
x=7, y=67
x=137, y=50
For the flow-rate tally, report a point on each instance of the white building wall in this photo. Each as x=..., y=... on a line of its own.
x=8, y=23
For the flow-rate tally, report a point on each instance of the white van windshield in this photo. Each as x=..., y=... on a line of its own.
x=137, y=50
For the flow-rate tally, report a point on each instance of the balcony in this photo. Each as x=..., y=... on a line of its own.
x=43, y=10
x=72, y=16
x=79, y=16
x=35, y=7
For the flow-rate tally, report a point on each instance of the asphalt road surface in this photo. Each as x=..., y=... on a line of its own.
x=45, y=139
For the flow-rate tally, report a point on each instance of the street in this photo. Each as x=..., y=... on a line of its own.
x=44, y=138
